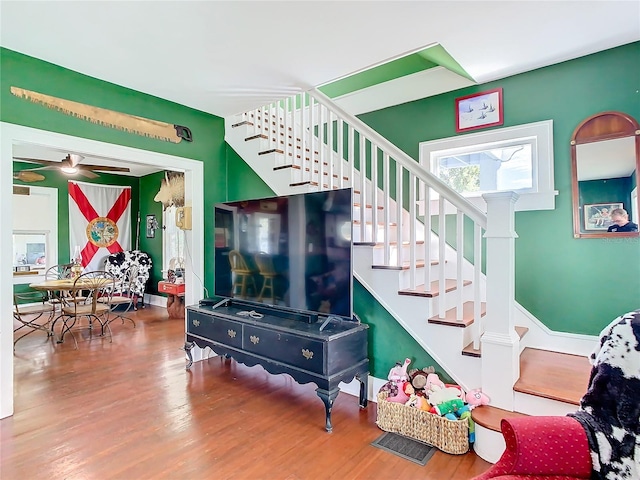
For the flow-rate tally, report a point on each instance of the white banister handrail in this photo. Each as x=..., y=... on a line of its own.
x=453, y=197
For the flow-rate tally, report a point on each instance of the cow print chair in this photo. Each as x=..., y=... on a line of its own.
x=119, y=263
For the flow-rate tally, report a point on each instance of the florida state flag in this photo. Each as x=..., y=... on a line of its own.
x=99, y=221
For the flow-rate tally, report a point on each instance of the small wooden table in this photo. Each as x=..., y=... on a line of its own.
x=175, y=298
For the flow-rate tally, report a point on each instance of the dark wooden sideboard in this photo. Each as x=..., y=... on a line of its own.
x=310, y=348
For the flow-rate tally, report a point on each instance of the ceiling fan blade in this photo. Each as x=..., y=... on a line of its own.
x=73, y=159
x=87, y=173
x=103, y=168
x=28, y=176
x=37, y=160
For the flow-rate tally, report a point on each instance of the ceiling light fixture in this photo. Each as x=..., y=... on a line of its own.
x=69, y=170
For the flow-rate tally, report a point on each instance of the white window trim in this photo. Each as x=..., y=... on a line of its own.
x=544, y=198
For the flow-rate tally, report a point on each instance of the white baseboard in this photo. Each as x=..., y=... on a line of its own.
x=155, y=300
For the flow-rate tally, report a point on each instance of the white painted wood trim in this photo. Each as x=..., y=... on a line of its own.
x=11, y=134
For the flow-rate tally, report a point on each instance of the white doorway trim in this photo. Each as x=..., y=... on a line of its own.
x=11, y=135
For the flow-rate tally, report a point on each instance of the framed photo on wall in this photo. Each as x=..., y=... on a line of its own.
x=597, y=216
x=151, y=226
x=479, y=110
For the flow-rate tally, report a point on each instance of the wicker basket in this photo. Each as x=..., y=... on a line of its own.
x=450, y=436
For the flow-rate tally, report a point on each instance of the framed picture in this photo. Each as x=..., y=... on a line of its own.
x=597, y=216
x=479, y=110
x=152, y=226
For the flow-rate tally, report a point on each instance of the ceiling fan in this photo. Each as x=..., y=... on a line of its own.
x=28, y=176
x=70, y=165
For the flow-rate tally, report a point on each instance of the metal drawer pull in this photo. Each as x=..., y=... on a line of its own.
x=196, y=323
x=254, y=339
x=231, y=333
x=308, y=354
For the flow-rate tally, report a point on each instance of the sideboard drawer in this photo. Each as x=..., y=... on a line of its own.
x=299, y=351
x=215, y=329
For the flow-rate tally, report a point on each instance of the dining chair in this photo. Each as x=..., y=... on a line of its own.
x=83, y=301
x=28, y=309
x=123, y=295
x=58, y=272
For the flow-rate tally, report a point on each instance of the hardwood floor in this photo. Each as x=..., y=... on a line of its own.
x=129, y=410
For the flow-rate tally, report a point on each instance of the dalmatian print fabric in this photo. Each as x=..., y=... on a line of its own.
x=610, y=410
x=118, y=263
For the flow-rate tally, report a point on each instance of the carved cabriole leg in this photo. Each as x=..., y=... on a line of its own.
x=188, y=346
x=328, y=396
x=364, y=388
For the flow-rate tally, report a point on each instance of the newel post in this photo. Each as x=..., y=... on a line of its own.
x=500, y=342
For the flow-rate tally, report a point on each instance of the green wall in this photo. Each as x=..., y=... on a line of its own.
x=558, y=277
x=208, y=144
x=149, y=185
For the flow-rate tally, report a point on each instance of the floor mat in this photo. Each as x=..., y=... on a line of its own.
x=404, y=447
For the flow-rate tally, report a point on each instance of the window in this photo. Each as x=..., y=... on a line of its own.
x=516, y=158
x=29, y=251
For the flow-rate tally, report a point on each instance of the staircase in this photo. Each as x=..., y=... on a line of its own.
x=403, y=257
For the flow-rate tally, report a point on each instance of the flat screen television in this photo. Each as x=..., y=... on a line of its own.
x=291, y=251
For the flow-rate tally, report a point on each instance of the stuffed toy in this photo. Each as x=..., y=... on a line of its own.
x=450, y=406
x=399, y=372
x=475, y=398
x=419, y=402
x=433, y=383
x=444, y=394
x=404, y=392
x=397, y=375
x=418, y=379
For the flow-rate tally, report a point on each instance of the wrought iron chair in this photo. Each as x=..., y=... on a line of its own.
x=57, y=272
x=100, y=286
x=28, y=309
x=123, y=295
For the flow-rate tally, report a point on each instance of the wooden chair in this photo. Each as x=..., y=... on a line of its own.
x=28, y=308
x=100, y=286
x=242, y=274
x=268, y=273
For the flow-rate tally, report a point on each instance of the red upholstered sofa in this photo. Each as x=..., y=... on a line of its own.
x=550, y=448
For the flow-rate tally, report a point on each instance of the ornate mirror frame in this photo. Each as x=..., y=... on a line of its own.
x=600, y=127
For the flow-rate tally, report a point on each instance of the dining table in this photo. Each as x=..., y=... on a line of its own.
x=59, y=290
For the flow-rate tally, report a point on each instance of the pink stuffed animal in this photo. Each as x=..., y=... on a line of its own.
x=399, y=372
x=476, y=398
x=404, y=392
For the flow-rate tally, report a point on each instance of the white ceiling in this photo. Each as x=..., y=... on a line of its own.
x=226, y=57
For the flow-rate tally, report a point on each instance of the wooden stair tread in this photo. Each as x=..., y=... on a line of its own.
x=357, y=204
x=312, y=183
x=469, y=351
x=450, y=317
x=450, y=284
x=490, y=417
x=395, y=244
x=404, y=266
x=558, y=376
x=380, y=224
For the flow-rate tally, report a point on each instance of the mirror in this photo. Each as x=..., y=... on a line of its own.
x=605, y=160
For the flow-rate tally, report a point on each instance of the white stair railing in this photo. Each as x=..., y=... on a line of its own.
x=333, y=149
